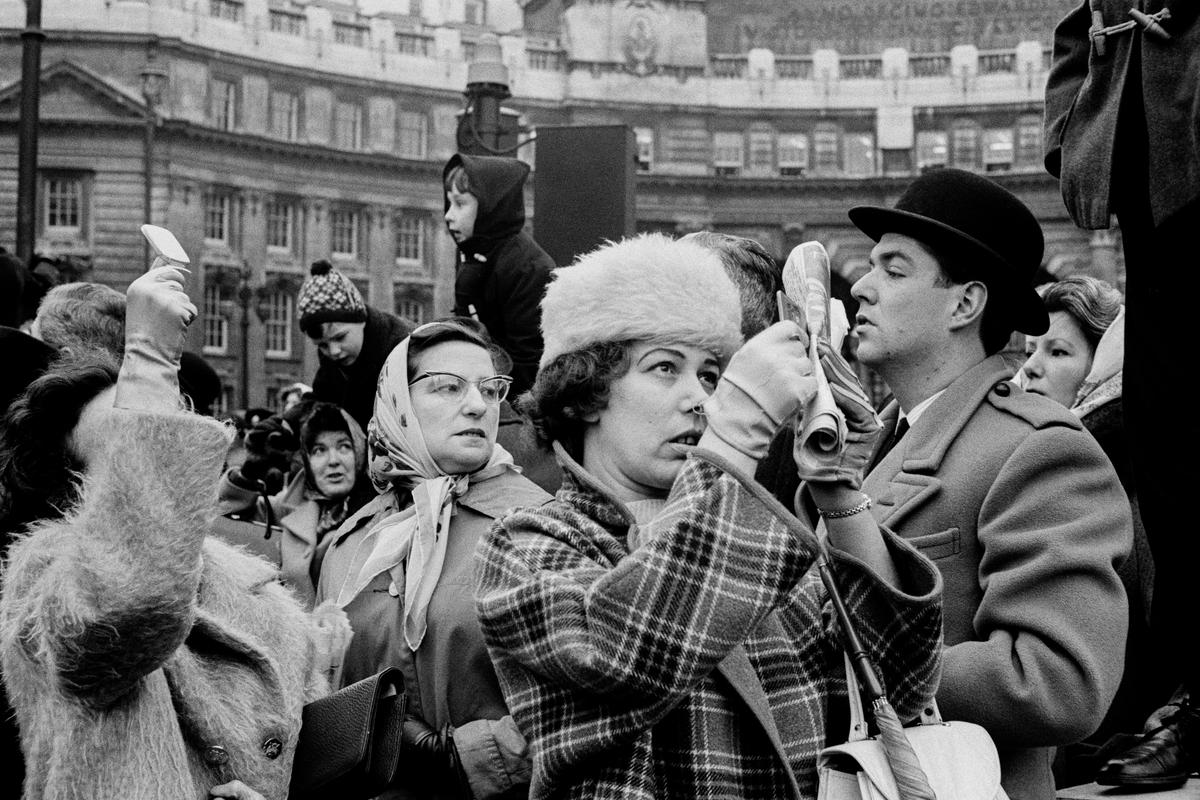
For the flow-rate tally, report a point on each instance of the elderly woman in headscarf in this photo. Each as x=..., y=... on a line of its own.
x=403, y=565
x=1079, y=363
x=657, y=628
x=329, y=486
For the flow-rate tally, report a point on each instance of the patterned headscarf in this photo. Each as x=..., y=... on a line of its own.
x=399, y=461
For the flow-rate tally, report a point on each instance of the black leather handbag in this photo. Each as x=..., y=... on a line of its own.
x=349, y=744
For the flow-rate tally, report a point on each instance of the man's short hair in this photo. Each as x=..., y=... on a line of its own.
x=75, y=316
x=753, y=271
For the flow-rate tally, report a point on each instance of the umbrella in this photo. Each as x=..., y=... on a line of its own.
x=911, y=780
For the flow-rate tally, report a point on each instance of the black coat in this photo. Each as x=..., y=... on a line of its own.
x=1088, y=94
x=502, y=272
x=353, y=388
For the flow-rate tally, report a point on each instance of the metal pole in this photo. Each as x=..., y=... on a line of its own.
x=148, y=176
x=244, y=296
x=31, y=68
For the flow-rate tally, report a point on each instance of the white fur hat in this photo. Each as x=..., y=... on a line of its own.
x=648, y=287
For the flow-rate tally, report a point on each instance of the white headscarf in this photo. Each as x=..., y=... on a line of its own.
x=399, y=460
x=1104, y=380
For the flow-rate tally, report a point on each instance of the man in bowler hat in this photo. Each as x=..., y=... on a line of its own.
x=1008, y=494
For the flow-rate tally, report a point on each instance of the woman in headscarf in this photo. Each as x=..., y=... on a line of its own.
x=1079, y=363
x=402, y=566
x=331, y=484
x=657, y=628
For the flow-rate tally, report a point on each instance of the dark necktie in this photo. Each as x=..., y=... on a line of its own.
x=901, y=429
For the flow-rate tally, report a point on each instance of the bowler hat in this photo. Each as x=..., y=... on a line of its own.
x=966, y=216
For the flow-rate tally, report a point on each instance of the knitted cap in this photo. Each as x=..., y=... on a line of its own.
x=328, y=296
x=647, y=288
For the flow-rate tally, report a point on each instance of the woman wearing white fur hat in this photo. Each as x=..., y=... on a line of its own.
x=657, y=628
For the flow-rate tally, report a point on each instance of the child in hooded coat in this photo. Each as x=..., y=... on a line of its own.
x=502, y=272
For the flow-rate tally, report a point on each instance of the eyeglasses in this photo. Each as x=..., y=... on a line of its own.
x=453, y=388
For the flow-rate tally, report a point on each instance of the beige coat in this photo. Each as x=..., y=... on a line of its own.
x=145, y=660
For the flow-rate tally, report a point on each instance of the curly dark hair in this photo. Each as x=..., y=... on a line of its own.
x=571, y=387
x=39, y=474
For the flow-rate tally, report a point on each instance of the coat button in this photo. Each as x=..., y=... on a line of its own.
x=272, y=747
x=1004, y=388
x=216, y=756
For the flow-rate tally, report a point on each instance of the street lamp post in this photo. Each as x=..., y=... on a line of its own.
x=480, y=131
x=154, y=79
x=27, y=145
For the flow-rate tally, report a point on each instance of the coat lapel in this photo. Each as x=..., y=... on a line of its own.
x=907, y=478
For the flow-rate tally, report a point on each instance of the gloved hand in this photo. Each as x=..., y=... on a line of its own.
x=862, y=428
x=270, y=446
x=767, y=381
x=157, y=314
x=431, y=759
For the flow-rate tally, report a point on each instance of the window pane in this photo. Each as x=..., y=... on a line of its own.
x=998, y=148
x=216, y=217
x=63, y=204
x=344, y=233
x=645, y=148
x=933, y=149
x=278, y=324
x=287, y=22
x=224, y=105
x=285, y=115
x=413, y=44
x=728, y=149
x=1029, y=141
x=860, y=153
x=410, y=237
x=216, y=327
x=965, y=152
x=825, y=150
x=413, y=137
x=225, y=9
x=347, y=126
x=793, y=153
x=281, y=224
x=346, y=33
x=762, y=151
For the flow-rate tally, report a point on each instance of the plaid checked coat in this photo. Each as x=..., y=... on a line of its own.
x=700, y=665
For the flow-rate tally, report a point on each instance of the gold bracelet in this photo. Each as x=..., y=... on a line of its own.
x=847, y=512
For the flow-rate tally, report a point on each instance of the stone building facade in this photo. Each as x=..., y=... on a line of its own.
x=289, y=131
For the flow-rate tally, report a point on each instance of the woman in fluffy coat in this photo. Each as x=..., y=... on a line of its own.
x=658, y=629
x=144, y=658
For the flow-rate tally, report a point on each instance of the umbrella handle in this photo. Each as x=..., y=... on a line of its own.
x=863, y=668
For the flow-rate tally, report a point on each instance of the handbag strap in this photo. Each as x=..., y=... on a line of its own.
x=930, y=715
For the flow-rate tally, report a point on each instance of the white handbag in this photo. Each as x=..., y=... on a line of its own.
x=959, y=759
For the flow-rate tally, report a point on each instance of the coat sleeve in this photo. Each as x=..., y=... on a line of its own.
x=649, y=627
x=1052, y=620
x=523, y=319
x=105, y=596
x=494, y=756
x=1068, y=70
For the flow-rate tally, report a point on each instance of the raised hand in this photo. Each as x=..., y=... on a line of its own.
x=157, y=314
x=767, y=381
x=848, y=465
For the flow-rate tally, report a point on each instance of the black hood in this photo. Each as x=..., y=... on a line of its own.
x=499, y=186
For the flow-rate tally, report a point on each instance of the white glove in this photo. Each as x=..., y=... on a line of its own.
x=767, y=381
x=157, y=314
